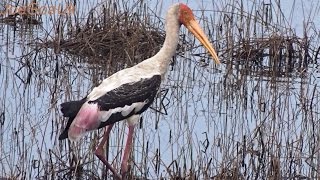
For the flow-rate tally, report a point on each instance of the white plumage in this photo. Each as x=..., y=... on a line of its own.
x=125, y=111
x=129, y=92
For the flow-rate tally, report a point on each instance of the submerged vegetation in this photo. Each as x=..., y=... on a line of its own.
x=254, y=117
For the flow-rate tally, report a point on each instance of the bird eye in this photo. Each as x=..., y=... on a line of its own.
x=186, y=15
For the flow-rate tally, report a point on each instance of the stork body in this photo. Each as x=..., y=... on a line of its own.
x=129, y=92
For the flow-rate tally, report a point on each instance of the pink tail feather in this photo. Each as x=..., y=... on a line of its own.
x=86, y=120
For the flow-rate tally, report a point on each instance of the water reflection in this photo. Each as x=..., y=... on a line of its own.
x=238, y=120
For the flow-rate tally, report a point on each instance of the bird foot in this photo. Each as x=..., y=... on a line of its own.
x=100, y=155
x=124, y=170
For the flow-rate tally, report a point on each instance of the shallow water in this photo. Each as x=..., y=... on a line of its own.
x=207, y=119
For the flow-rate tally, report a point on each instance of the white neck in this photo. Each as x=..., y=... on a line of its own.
x=172, y=26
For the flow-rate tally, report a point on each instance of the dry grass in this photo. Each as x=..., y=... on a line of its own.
x=114, y=36
x=254, y=117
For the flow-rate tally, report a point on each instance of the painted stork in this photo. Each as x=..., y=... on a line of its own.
x=129, y=92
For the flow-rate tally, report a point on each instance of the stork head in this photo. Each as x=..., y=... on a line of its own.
x=187, y=18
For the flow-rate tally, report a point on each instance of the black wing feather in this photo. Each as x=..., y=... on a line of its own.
x=126, y=94
x=130, y=93
x=70, y=109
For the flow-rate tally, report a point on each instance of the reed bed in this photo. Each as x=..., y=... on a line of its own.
x=254, y=117
x=110, y=35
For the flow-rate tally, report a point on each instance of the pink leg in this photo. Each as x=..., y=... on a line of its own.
x=100, y=154
x=127, y=150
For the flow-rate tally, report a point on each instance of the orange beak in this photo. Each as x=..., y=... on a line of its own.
x=196, y=30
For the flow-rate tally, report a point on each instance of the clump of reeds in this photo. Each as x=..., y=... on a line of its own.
x=110, y=35
x=24, y=13
x=260, y=38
